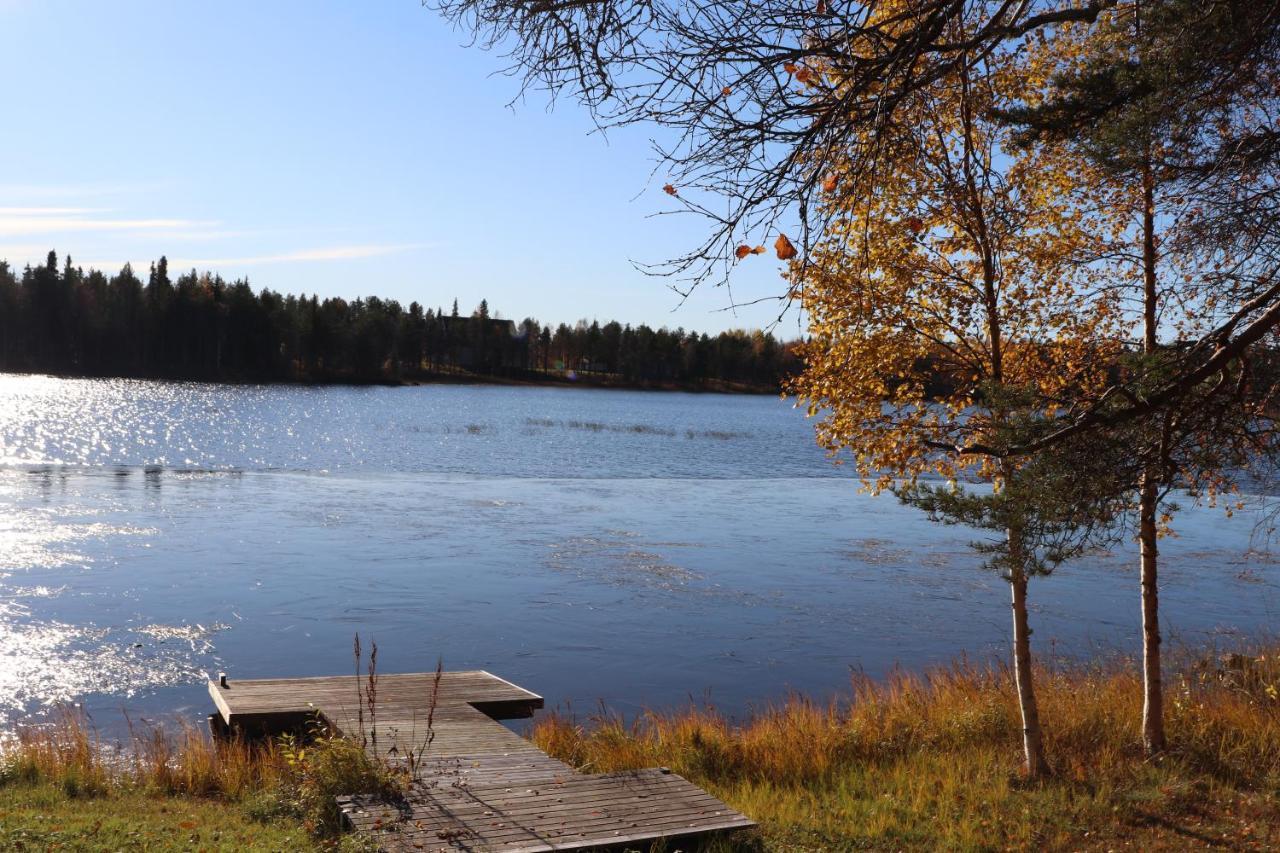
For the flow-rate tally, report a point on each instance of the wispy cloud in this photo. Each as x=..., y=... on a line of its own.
x=198, y=235
x=62, y=225
x=50, y=211
x=329, y=253
x=332, y=253
x=12, y=226
x=21, y=253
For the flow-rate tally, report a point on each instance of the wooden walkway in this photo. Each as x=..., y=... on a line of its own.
x=481, y=786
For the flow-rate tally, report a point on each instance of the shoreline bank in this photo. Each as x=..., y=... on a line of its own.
x=916, y=761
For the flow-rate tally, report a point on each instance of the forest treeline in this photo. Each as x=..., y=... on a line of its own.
x=63, y=320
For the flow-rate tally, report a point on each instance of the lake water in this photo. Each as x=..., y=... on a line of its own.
x=636, y=548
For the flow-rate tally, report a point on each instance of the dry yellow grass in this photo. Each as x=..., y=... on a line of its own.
x=282, y=782
x=931, y=761
x=68, y=752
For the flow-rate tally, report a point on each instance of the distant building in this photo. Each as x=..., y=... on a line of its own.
x=484, y=344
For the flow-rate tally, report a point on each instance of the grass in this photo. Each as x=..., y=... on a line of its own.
x=62, y=788
x=932, y=762
x=914, y=762
x=46, y=817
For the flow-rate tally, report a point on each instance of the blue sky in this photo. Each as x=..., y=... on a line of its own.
x=331, y=147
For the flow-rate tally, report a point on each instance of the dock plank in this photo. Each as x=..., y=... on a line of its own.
x=586, y=811
x=480, y=787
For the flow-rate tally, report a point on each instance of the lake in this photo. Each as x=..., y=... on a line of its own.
x=634, y=548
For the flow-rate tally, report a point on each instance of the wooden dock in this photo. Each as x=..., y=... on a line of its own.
x=480, y=786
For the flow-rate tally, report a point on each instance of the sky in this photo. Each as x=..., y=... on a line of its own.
x=336, y=148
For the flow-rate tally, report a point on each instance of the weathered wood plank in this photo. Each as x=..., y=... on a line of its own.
x=479, y=786
x=584, y=811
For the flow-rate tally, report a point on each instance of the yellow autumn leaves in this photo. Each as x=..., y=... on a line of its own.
x=960, y=273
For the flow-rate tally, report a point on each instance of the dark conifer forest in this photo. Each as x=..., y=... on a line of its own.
x=64, y=320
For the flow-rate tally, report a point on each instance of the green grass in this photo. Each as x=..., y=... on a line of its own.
x=45, y=817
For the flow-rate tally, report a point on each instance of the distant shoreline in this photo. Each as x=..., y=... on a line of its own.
x=589, y=380
x=523, y=379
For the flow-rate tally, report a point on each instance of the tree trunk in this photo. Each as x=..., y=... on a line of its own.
x=1148, y=500
x=1153, y=697
x=1036, y=765
x=1150, y=295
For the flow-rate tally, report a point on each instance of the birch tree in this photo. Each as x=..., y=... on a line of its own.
x=959, y=260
